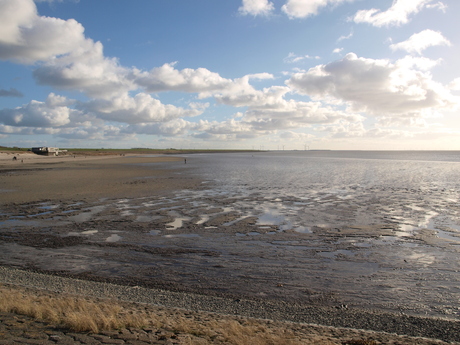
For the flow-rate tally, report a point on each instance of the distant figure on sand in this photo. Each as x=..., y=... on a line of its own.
x=15, y=158
x=185, y=161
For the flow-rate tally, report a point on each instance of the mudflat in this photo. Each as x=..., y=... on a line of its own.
x=120, y=220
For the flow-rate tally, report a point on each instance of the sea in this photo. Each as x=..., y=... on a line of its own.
x=387, y=219
x=348, y=229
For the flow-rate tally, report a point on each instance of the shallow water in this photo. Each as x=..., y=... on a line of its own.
x=363, y=229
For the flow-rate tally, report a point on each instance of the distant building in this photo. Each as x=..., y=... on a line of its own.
x=47, y=151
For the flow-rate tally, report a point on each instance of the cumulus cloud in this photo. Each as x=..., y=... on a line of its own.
x=295, y=136
x=167, y=78
x=269, y=119
x=455, y=84
x=377, y=87
x=142, y=108
x=54, y=112
x=87, y=70
x=256, y=7
x=27, y=37
x=10, y=93
x=306, y=8
x=421, y=41
x=242, y=94
x=227, y=130
x=170, y=128
x=397, y=14
x=68, y=59
x=94, y=132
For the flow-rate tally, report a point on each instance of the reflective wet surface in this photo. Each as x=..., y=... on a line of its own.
x=370, y=234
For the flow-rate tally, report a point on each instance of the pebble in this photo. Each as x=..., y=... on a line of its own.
x=441, y=329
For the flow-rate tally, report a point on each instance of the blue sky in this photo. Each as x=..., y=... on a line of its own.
x=322, y=74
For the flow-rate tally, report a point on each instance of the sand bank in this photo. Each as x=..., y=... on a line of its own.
x=32, y=177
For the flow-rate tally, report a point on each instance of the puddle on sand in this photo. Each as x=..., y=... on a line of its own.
x=155, y=232
x=87, y=232
x=271, y=217
x=45, y=206
x=69, y=211
x=87, y=214
x=303, y=230
x=178, y=221
x=448, y=236
x=90, y=232
x=113, y=238
x=182, y=235
x=204, y=219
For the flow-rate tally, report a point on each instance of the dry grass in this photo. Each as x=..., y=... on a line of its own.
x=89, y=315
x=86, y=315
x=77, y=314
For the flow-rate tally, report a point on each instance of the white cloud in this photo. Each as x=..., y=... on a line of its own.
x=341, y=38
x=419, y=63
x=142, y=108
x=291, y=114
x=27, y=37
x=421, y=41
x=455, y=84
x=293, y=58
x=439, y=6
x=166, y=129
x=102, y=132
x=377, y=87
x=295, y=136
x=51, y=113
x=306, y=8
x=227, y=130
x=87, y=70
x=68, y=59
x=241, y=94
x=167, y=78
x=397, y=14
x=256, y=7
x=401, y=122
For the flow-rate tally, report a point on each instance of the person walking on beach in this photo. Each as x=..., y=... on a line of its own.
x=185, y=160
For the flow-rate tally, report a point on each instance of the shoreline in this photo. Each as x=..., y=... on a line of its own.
x=332, y=320
x=67, y=181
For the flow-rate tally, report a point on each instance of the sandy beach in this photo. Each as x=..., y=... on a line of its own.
x=82, y=218
x=32, y=177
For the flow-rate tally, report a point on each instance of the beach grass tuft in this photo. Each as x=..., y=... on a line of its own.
x=93, y=315
x=75, y=313
x=85, y=315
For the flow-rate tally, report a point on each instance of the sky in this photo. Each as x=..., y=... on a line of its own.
x=237, y=74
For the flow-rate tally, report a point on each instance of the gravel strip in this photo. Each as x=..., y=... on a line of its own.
x=446, y=330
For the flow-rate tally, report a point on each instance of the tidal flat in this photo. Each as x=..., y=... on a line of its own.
x=355, y=249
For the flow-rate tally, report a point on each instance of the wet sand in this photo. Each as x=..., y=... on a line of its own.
x=114, y=220
x=34, y=178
